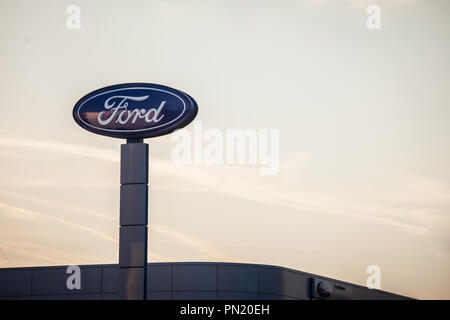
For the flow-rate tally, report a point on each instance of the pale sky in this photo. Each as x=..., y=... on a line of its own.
x=363, y=115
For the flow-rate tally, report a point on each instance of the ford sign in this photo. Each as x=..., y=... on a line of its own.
x=135, y=110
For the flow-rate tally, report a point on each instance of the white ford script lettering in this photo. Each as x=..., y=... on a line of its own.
x=125, y=115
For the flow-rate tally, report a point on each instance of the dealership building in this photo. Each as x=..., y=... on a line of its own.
x=184, y=281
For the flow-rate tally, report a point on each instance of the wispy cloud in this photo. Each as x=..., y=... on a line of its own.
x=58, y=205
x=33, y=251
x=242, y=182
x=207, y=249
x=49, y=254
x=61, y=147
x=20, y=213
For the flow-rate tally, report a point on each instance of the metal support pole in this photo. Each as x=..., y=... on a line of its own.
x=133, y=220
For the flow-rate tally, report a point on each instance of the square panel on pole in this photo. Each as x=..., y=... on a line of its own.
x=134, y=163
x=133, y=246
x=133, y=204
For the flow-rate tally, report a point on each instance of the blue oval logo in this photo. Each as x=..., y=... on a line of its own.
x=135, y=110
